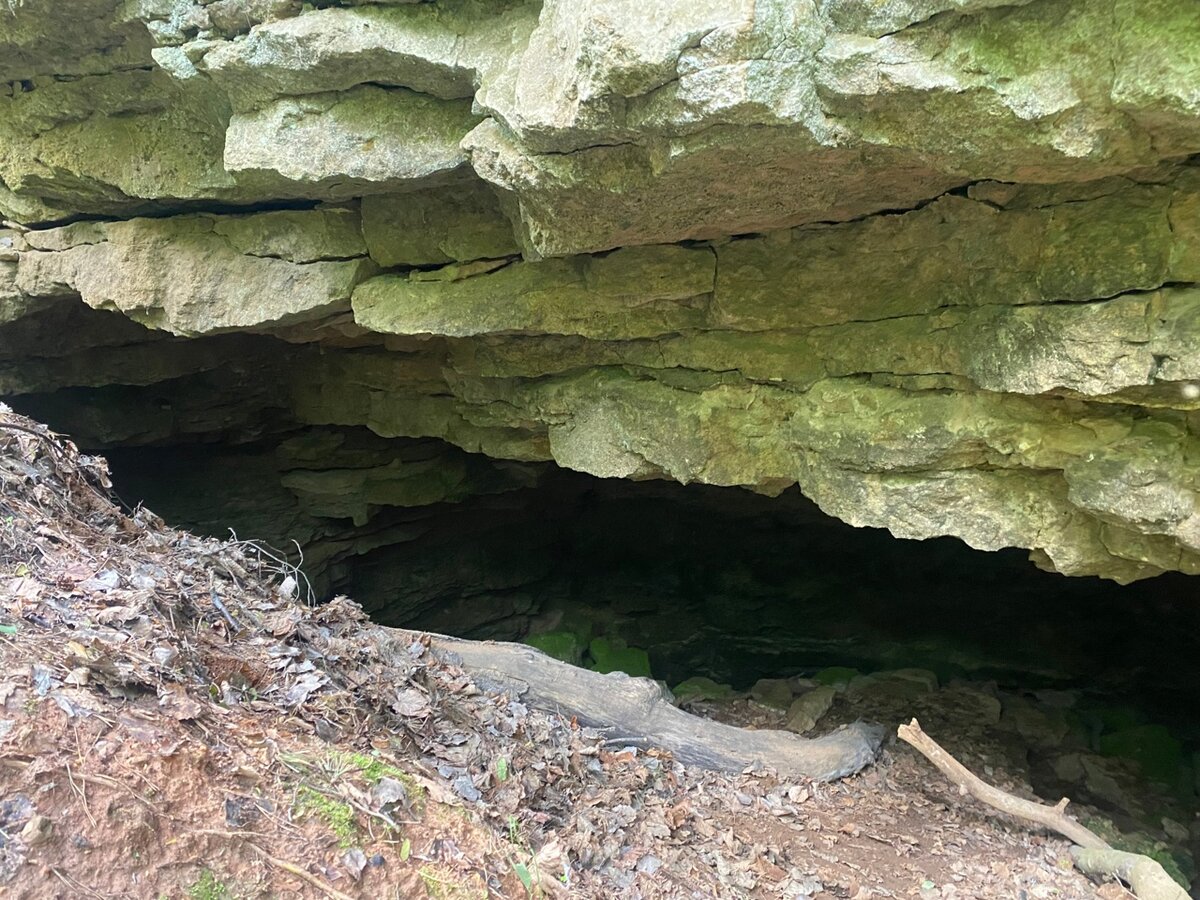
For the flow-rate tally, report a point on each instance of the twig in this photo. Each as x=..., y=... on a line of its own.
x=75, y=884
x=82, y=796
x=300, y=873
x=279, y=564
x=1052, y=817
x=54, y=445
x=1093, y=856
x=216, y=601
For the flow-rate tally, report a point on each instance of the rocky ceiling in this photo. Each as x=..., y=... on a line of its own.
x=934, y=261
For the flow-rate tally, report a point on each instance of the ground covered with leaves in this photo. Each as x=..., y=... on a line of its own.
x=176, y=722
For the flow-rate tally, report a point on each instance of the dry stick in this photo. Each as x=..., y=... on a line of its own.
x=75, y=884
x=1094, y=856
x=82, y=796
x=299, y=873
x=1052, y=817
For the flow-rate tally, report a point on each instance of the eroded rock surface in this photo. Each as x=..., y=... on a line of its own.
x=936, y=261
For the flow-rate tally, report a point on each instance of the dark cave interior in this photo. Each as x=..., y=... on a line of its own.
x=714, y=581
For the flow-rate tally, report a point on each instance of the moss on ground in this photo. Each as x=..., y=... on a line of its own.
x=208, y=887
x=337, y=815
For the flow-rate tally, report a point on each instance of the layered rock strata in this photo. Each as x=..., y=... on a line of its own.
x=937, y=262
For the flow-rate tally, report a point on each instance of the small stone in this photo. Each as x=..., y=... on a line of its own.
x=388, y=793
x=355, y=861
x=465, y=788
x=774, y=692
x=164, y=656
x=923, y=677
x=807, y=709
x=702, y=688
x=37, y=830
x=835, y=675
x=797, y=794
x=649, y=864
x=1175, y=830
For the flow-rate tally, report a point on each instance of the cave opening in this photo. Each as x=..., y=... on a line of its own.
x=712, y=581
x=743, y=604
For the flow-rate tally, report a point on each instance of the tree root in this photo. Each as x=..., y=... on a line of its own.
x=1093, y=855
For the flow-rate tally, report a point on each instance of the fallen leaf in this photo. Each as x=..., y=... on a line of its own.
x=175, y=702
x=410, y=703
x=282, y=623
x=305, y=685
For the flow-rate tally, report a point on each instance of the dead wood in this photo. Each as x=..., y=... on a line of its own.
x=634, y=711
x=1093, y=855
x=1052, y=817
x=1147, y=878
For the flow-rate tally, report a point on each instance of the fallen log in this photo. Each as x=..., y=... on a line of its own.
x=1092, y=854
x=634, y=712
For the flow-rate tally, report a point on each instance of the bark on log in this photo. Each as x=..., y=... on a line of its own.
x=634, y=711
x=1093, y=855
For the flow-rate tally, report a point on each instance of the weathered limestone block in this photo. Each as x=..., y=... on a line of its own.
x=1004, y=302
x=1091, y=349
x=202, y=274
x=141, y=362
x=126, y=141
x=13, y=304
x=436, y=49
x=638, y=292
x=429, y=227
x=343, y=145
x=28, y=208
x=419, y=474
x=609, y=117
x=171, y=22
x=610, y=196
x=992, y=471
x=45, y=37
x=879, y=19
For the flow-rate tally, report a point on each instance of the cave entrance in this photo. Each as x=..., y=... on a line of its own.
x=692, y=579
x=733, y=596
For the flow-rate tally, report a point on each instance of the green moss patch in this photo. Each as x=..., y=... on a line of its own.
x=335, y=814
x=562, y=645
x=613, y=655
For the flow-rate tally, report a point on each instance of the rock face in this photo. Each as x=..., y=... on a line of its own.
x=935, y=261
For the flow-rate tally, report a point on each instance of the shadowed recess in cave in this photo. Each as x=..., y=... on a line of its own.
x=1085, y=685
x=708, y=581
